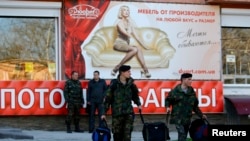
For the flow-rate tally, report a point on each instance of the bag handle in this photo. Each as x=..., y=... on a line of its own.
x=142, y=120
x=206, y=121
x=168, y=117
x=105, y=123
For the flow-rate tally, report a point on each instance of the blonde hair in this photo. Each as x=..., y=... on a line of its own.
x=120, y=11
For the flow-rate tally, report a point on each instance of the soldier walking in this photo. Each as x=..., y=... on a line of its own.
x=74, y=97
x=119, y=95
x=183, y=100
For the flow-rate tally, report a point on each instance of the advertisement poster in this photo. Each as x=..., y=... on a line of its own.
x=158, y=40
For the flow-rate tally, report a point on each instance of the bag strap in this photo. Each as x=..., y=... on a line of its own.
x=206, y=121
x=105, y=123
x=142, y=120
x=168, y=118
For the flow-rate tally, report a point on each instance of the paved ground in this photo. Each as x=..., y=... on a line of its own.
x=38, y=135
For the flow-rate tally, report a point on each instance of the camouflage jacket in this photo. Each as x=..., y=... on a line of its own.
x=119, y=96
x=73, y=92
x=182, y=105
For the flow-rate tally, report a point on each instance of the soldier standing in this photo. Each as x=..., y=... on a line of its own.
x=119, y=95
x=183, y=101
x=95, y=96
x=73, y=95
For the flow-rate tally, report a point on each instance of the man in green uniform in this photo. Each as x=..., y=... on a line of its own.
x=73, y=95
x=119, y=95
x=183, y=101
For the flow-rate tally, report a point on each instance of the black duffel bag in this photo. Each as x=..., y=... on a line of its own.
x=156, y=131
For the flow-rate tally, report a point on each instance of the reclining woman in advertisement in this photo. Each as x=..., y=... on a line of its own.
x=125, y=30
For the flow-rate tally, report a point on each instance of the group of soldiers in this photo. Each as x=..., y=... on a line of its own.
x=181, y=100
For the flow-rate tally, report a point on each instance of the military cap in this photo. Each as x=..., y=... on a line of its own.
x=124, y=68
x=186, y=75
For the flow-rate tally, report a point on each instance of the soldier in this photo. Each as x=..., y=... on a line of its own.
x=183, y=101
x=95, y=96
x=74, y=97
x=119, y=95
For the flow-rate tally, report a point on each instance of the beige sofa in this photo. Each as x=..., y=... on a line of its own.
x=100, y=48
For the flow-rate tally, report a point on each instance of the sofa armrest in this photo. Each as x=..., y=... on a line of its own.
x=95, y=46
x=103, y=39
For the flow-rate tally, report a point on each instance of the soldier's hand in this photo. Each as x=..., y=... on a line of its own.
x=103, y=117
x=140, y=108
x=168, y=110
x=204, y=117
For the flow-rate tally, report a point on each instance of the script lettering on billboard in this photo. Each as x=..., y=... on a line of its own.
x=84, y=12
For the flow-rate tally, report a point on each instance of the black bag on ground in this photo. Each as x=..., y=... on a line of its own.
x=156, y=131
x=198, y=130
x=102, y=133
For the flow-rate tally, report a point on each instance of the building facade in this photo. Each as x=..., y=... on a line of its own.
x=42, y=44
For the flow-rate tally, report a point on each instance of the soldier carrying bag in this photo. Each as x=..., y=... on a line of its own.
x=156, y=131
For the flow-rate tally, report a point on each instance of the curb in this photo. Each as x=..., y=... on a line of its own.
x=13, y=133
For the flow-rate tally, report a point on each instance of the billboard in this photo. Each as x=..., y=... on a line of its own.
x=160, y=39
x=46, y=97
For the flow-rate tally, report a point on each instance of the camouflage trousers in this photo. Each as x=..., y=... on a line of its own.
x=122, y=126
x=182, y=131
x=73, y=113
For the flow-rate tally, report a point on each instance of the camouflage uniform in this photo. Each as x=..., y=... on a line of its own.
x=119, y=96
x=73, y=95
x=183, y=103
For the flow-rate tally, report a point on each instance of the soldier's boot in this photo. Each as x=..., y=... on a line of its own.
x=77, y=128
x=68, y=127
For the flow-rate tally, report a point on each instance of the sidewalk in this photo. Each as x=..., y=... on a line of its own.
x=39, y=135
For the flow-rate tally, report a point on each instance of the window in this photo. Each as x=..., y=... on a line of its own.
x=30, y=40
x=236, y=54
x=236, y=46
